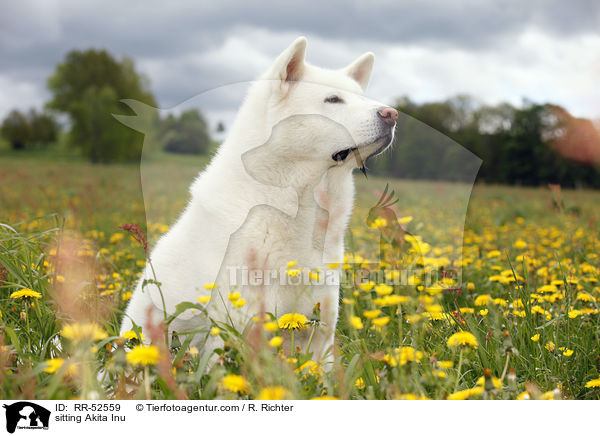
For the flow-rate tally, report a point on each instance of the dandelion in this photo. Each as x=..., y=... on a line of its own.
x=595, y=383
x=210, y=286
x=291, y=263
x=233, y=296
x=276, y=341
x=366, y=286
x=25, y=293
x=535, y=337
x=463, y=339
x=380, y=322
x=235, y=383
x=310, y=368
x=383, y=289
x=292, y=321
x=131, y=335
x=77, y=332
x=215, y=331
x=482, y=300
x=356, y=322
x=143, y=355
x=270, y=326
x=53, y=365
x=294, y=272
x=238, y=303
x=371, y=314
x=273, y=393
x=203, y=299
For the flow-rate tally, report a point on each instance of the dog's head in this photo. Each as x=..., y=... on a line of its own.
x=297, y=88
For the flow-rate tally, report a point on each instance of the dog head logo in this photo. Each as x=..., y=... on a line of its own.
x=26, y=415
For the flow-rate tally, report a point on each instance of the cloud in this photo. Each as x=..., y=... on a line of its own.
x=429, y=49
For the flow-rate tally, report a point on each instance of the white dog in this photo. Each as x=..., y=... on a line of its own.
x=272, y=205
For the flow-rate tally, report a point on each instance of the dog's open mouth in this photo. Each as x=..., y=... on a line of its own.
x=382, y=142
x=343, y=154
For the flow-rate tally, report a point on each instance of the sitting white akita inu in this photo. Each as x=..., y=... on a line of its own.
x=267, y=217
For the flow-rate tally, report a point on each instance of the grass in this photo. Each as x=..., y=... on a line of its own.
x=527, y=293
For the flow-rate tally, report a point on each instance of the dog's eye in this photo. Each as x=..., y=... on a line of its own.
x=334, y=99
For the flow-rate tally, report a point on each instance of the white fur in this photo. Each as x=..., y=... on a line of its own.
x=272, y=194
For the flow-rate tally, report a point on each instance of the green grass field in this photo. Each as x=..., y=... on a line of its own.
x=522, y=323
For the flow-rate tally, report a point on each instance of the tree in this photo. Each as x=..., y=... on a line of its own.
x=33, y=128
x=186, y=134
x=16, y=129
x=44, y=129
x=88, y=86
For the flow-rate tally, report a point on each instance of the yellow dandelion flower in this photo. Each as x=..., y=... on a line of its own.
x=210, y=286
x=293, y=272
x=568, y=353
x=371, y=314
x=270, y=326
x=238, y=303
x=233, y=296
x=595, y=383
x=276, y=341
x=215, y=331
x=356, y=322
x=314, y=275
x=380, y=322
x=291, y=263
x=310, y=368
x=26, y=293
x=520, y=244
x=54, y=365
x=292, y=321
x=273, y=393
x=143, y=355
x=235, y=383
x=383, y=289
x=574, y=313
x=203, y=299
x=465, y=339
x=482, y=300
x=366, y=286
x=445, y=364
x=83, y=332
x=535, y=337
x=131, y=335
x=495, y=381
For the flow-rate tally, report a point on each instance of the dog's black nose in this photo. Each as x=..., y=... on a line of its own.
x=388, y=114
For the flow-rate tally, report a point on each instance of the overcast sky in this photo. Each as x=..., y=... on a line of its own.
x=547, y=51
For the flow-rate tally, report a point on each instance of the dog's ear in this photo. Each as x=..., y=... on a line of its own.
x=360, y=69
x=289, y=66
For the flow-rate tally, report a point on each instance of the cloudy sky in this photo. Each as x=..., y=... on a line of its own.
x=547, y=51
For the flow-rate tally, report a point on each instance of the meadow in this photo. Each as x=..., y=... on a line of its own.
x=512, y=312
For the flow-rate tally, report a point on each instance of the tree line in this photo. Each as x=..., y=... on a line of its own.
x=88, y=87
x=530, y=145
